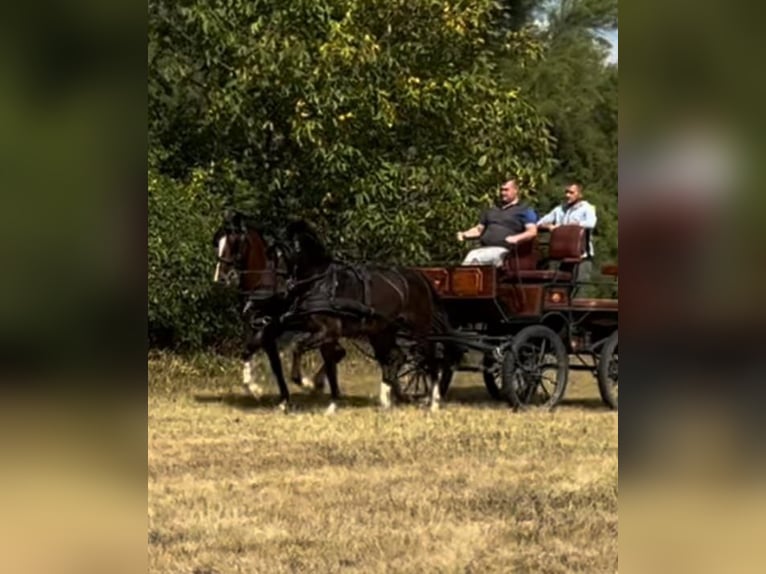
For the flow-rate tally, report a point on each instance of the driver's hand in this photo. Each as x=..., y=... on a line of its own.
x=460, y=236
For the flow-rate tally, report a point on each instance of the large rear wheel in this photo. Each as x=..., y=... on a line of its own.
x=607, y=372
x=536, y=372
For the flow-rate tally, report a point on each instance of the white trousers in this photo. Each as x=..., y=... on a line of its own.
x=485, y=256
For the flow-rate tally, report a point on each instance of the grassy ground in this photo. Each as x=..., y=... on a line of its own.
x=236, y=487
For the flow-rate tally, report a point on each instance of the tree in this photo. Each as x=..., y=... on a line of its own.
x=575, y=89
x=341, y=111
x=382, y=122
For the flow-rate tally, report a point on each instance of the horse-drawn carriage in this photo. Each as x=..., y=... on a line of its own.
x=530, y=306
x=523, y=319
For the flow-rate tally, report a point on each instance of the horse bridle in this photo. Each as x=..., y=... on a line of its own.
x=238, y=262
x=242, y=236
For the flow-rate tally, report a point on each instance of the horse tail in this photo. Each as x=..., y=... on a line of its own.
x=439, y=319
x=440, y=324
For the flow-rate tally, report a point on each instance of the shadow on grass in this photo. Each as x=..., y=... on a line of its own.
x=269, y=402
x=478, y=395
x=590, y=403
x=470, y=396
x=473, y=395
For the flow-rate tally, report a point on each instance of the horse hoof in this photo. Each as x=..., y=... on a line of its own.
x=332, y=409
x=307, y=383
x=283, y=407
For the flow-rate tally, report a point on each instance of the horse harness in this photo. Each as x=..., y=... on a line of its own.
x=326, y=299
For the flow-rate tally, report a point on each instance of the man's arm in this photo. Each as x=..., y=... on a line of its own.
x=547, y=222
x=530, y=231
x=472, y=233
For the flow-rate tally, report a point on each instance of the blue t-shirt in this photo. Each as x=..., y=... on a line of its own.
x=500, y=222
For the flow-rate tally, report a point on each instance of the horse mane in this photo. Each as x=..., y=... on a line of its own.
x=309, y=239
x=235, y=219
x=243, y=220
x=301, y=227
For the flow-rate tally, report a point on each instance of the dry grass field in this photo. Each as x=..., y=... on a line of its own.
x=235, y=486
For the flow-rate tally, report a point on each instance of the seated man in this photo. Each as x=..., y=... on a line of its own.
x=500, y=227
x=574, y=210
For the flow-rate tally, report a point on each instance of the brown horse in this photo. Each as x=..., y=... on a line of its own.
x=382, y=304
x=247, y=262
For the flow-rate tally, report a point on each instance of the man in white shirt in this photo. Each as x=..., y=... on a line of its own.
x=574, y=211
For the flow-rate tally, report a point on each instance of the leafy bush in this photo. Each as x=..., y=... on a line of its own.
x=387, y=124
x=185, y=309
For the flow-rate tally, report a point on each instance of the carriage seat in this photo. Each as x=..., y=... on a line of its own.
x=565, y=249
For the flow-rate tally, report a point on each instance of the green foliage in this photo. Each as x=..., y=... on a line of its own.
x=575, y=89
x=184, y=308
x=388, y=124
x=343, y=112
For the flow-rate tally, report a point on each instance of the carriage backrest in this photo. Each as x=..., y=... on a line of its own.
x=525, y=257
x=528, y=255
x=567, y=243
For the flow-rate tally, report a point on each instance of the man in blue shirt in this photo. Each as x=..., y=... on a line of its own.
x=574, y=211
x=500, y=227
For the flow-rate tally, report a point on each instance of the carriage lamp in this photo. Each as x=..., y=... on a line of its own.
x=557, y=297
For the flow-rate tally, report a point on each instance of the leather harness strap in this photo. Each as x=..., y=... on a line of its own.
x=326, y=298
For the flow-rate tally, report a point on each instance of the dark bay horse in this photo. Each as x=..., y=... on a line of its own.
x=333, y=300
x=247, y=259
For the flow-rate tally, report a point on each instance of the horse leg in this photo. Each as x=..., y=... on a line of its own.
x=390, y=359
x=396, y=359
x=269, y=340
x=433, y=373
x=385, y=387
x=432, y=364
x=320, y=377
x=254, y=342
x=296, y=375
x=329, y=355
x=322, y=333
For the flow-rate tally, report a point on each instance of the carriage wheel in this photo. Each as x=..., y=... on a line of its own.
x=413, y=382
x=536, y=372
x=607, y=372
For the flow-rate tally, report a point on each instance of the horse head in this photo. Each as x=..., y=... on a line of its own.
x=242, y=251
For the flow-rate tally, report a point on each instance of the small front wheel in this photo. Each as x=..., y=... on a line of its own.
x=414, y=384
x=537, y=369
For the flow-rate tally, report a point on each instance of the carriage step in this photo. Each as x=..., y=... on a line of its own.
x=594, y=303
